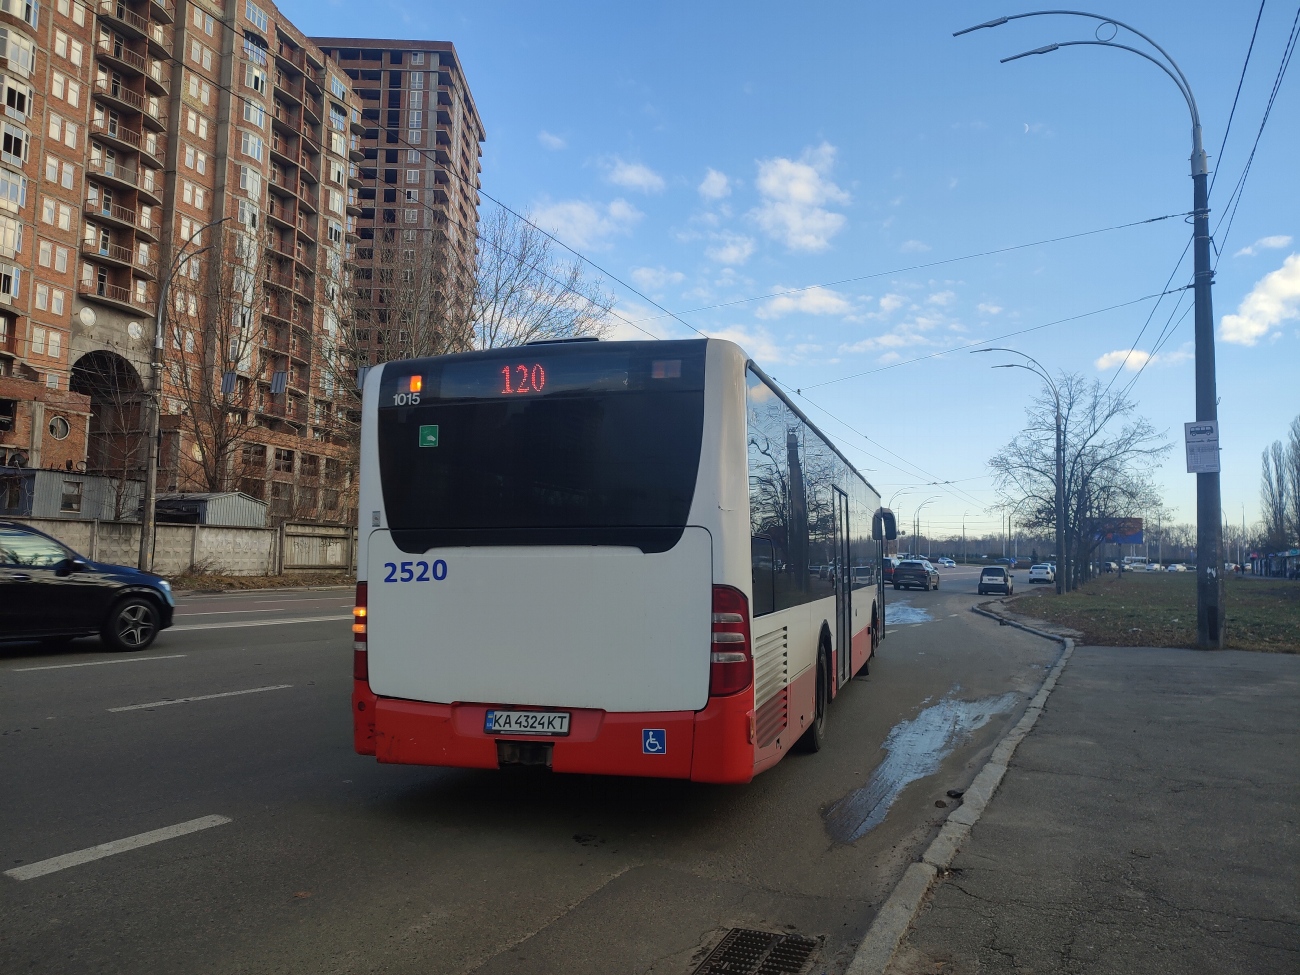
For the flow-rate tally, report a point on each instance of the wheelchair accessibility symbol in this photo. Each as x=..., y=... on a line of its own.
x=654, y=741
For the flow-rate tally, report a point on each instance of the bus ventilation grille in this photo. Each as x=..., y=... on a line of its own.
x=746, y=952
x=772, y=718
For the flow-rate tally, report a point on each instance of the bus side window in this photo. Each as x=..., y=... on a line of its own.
x=762, y=560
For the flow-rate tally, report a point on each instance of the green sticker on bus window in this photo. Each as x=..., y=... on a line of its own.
x=429, y=435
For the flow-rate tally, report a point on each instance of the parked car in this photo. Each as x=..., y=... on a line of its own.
x=996, y=578
x=1177, y=567
x=1008, y=562
x=1041, y=573
x=947, y=563
x=916, y=572
x=1109, y=567
x=1155, y=567
x=887, y=566
x=50, y=593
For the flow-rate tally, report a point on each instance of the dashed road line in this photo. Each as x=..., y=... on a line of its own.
x=200, y=697
x=54, y=864
x=101, y=663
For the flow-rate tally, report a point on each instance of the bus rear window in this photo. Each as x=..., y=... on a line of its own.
x=543, y=445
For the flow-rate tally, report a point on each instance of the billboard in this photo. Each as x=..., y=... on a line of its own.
x=1121, y=531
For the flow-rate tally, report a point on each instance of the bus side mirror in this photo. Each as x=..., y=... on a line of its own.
x=884, y=526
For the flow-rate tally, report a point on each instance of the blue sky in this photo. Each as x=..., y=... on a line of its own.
x=709, y=153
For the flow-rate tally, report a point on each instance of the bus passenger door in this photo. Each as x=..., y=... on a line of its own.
x=843, y=586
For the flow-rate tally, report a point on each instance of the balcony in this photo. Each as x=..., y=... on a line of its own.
x=280, y=213
x=308, y=199
x=115, y=172
x=119, y=94
x=114, y=50
x=164, y=10
x=311, y=106
x=354, y=177
x=112, y=294
x=285, y=119
x=284, y=149
x=355, y=152
x=291, y=57
x=279, y=279
x=283, y=86
x=149, y=143
x=113, y=213
x=158, y=77
x=357, y=126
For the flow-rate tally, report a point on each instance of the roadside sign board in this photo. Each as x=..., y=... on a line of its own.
x=1202, y=439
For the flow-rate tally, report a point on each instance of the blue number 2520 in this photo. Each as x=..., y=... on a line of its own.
x=415, y=571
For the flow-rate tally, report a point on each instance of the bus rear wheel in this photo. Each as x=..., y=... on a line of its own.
x=815, y=737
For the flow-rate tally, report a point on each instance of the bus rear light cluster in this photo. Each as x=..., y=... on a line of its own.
x=360, y=662
x=731, y=663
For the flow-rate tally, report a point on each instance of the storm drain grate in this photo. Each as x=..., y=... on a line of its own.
x=746, y=952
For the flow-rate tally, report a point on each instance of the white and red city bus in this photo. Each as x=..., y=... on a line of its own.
x=626, y=558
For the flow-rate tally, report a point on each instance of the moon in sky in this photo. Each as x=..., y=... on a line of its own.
x=1026, y=128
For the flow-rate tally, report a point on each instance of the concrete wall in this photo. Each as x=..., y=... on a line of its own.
x=213, y=549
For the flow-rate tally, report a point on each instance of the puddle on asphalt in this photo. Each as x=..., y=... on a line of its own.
x=915, y=747
x=904, y=612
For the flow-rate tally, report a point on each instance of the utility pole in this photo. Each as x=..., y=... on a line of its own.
x=1209, y=529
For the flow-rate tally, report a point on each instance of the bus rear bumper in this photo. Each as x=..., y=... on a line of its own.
x=713, y=745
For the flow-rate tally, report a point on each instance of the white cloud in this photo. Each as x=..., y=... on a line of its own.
x=731, y=249
x=813, y=301
x=913, y=331
x=914, y=247
x=794, y=198
x=891, y=303
x=656, y=278
x=634, y=176
x=1275, y=242
x=582, y=225
x=549, y=141
x=1274, y=300
x=715, y=185
x=986, y=309
x=1136, y=359
x=942, y=298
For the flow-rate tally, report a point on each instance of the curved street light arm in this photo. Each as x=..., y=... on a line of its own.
x=1186, y=85
x=1177, y=80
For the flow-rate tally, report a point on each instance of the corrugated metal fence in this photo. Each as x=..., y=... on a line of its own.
x=213, y=549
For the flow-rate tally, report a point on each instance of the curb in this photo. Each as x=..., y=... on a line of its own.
x=895, y=916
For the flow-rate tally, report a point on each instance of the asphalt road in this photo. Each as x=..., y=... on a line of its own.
x=282, y=851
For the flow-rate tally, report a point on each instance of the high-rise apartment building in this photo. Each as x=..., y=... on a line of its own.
x=418, y=222
x=201, y=153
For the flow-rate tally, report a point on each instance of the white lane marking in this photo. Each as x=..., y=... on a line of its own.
x=54, y=864
x=100, y=663
x=227, y=612
x=201, y=697
x=226, y=626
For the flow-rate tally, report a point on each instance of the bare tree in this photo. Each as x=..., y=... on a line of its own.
x=225, y=310
x=1274, y=495
x=1293, y=478
x=1110, y=455
x=523, y=292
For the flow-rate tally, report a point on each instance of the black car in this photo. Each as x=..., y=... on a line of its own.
x=50, y=593
x=916, y=572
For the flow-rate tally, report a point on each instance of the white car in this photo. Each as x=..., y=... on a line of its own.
x=947, y=563
x=1041, y=573
x=1155, y=567
x=1177, y=567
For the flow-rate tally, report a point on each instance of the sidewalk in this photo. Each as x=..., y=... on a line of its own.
x=1147, y=824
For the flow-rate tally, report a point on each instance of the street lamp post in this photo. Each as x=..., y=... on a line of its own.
x=1209, y=537
x=1042, y=373
x=963, y=536
x=148, y=521
x=916, y=522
